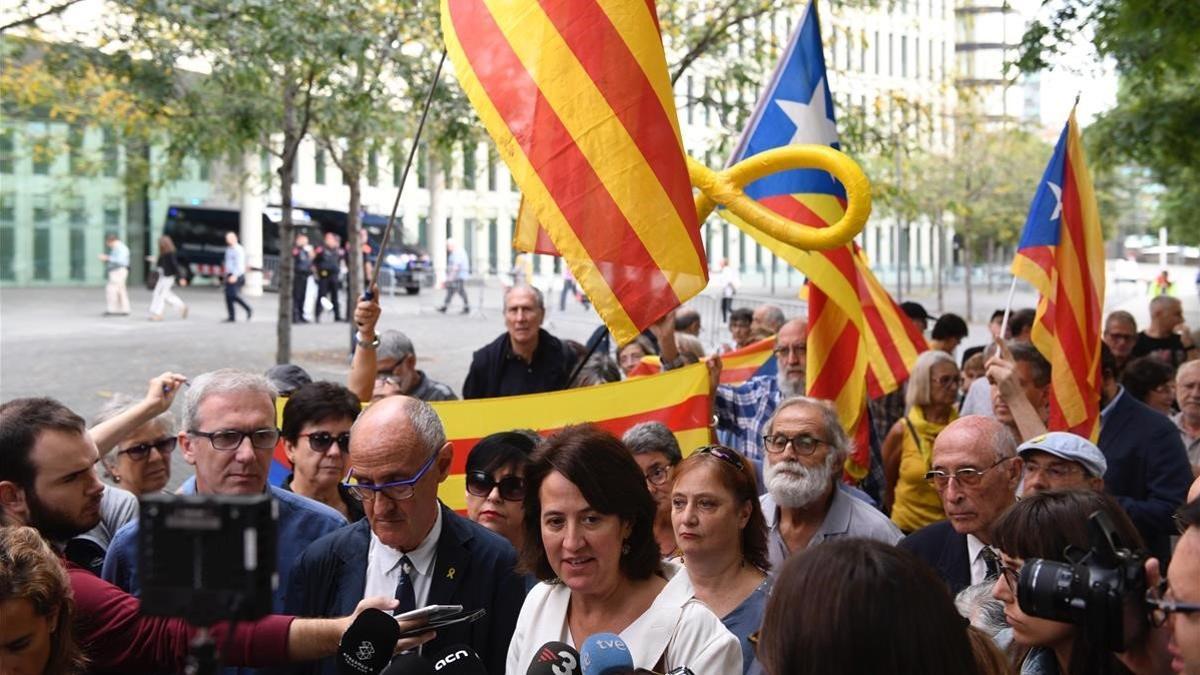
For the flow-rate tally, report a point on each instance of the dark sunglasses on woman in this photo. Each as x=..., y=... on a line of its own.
x=480, y=484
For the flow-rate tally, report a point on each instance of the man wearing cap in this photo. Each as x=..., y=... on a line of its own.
x=916, y=314
x=287, y=377
x=1060, y=460
x=385, y=364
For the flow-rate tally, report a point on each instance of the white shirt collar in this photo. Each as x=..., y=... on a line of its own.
x=974, y=547
x=422, y=556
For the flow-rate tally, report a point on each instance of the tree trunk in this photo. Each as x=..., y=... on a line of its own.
x=966, y=258
x=991, y=264
x=354, y=285
x=287, y=234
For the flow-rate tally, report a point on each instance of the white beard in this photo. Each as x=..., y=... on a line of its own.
x=788, y=388
x=800, y=486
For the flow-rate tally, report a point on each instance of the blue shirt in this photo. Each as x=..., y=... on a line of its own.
x=301, y=521
x=747, y=618
x=118, y=255
x=235, y=260
x=742, y=412
x=459, y=266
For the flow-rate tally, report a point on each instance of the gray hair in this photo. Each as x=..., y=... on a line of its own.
x=976, y=604
x=599, y=369
x=426, y=424
x=773, y=317
x=1023, y=352
x=835, y=435
x=653, y=437
x=920, y=385
x=690, y=347
x=221, y=381
x=538, y=298
x=1121, y=316
x=120, y=403
x=394, y=345
x=989, y=432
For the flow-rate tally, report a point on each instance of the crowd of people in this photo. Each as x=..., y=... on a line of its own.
x=749, y=555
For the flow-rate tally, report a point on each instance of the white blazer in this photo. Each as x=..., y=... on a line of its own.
x=677, y=629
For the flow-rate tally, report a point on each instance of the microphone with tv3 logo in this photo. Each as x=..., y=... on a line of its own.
x=409, y=664
x=368, y=644
x=459, y=660
x=555, y=658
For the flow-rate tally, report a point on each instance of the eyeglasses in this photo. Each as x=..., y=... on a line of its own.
x=803, y=444
x=966, y=477
x=658, y=474
x=947, y=380
x=397, y=490
x=1010, y=576
x=785, y=351
x=1053, y=471
x=141, y=451
x=1120, y=337
x=724, y=454
x=231, y=439
x=480, y=484
x=320, y=441
x=1162, y=607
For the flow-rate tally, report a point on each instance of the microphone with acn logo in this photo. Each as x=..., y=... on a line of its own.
x=459, y=660
x=368, y=644
x=555, y=658
x=605, y=654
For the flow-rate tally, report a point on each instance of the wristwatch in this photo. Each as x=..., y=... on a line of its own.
x=364, y=344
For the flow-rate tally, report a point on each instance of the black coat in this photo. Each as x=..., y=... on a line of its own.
x=497, y=371
x=946, y=552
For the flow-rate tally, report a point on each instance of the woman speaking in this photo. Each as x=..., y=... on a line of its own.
x=589, y=537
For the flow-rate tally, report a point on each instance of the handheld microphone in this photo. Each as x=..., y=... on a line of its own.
x=555, y=658
x=409, y=664
x=459, y=660
x=368, y=643
x=605, y=654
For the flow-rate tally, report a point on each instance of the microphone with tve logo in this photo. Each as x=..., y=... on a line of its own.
x=605, y=654
x=368, y=643
x=555, y=658
x=459, y=660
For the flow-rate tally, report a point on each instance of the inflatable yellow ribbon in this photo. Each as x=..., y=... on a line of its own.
x=724, y=188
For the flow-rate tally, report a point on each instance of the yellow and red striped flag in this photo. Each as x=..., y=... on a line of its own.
x=1061, y=253
x=677, y=398
x=859, y=343
x=740, y=365
x=576, y=95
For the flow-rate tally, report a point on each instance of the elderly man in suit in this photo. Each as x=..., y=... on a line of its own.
x=976, y=471
x=411, y=546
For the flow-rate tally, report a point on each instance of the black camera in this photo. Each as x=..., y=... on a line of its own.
x=1103, y=590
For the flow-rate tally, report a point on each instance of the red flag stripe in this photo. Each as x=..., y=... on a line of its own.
x=601, y=51
x=1072, y=217
x=576, y=188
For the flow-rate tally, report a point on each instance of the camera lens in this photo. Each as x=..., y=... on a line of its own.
x=1050, y=590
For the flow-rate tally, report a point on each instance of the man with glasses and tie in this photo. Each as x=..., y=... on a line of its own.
x=229, y=436
x=411, y=546
x=806, y=503
x=316, y=439
x=976, y=472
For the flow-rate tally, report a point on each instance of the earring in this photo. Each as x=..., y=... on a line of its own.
x=625, y=547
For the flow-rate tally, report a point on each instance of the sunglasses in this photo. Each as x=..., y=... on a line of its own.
x=141, y=451
x=480, y=484
x=724, y=454
x=320, y=441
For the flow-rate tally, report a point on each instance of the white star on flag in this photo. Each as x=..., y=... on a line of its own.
x=1057, y=200
x=812, y=125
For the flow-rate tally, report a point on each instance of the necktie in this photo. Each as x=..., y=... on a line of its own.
x=991, y=562
x=404, y=589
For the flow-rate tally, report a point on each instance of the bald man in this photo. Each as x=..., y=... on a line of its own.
x=1187, y=395
x=1167, y=338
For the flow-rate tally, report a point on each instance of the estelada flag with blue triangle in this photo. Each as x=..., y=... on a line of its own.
x=1061, y=253
x=860, y=344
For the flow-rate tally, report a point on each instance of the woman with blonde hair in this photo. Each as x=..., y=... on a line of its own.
x=908, y=448
x=168, y=271
x=36, y=603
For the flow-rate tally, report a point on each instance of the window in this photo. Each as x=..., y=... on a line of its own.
x=205, y=169
x=41, y=154
x=891, y=54
x=78, y=253
x=8, y=242
x=423, y=232
x=833, y=48
x=877, y=47
x=41, y=253
x=319, y=167
x=690, y=116
x=75, y=163
x=112, y=214
x=492, y=161
x=903, y=56
x=493, y=246
x=264, y=166
x=373, y=167
x=110, y=154
x=849, y=52
x=422, y=169
x=862, y=53
x=917, y=57
x=469, y=165
x=707, y=105
x=930, y=61
x=77, y=216
x=6, y=151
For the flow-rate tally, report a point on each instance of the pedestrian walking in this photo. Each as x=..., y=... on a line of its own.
x=235, y=276
x=728, y=280
x=328, y=262
x=116, y=268
x=302, y=265
x=168, y=271
x=458, y=268
x=570, y=288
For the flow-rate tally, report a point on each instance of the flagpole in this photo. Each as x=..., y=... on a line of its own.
x=1012, y=289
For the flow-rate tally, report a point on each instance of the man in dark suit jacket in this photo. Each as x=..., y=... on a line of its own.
x=1148, y=469
x=411, y=546
x=977, y=472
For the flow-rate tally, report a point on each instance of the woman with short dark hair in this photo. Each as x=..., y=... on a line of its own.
x=589, y=538
x=317, y=420
x=657, y=452
x=496, y=482
x=722, y=537
x=1044, y=525
x=1151, y=381
x=36, y=605
x=855, y=606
